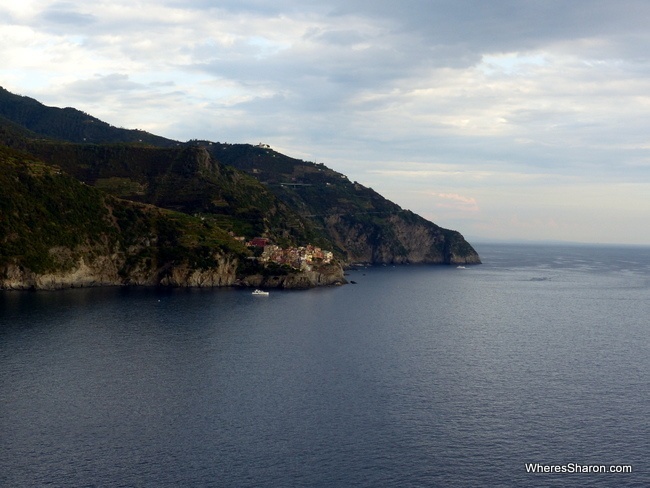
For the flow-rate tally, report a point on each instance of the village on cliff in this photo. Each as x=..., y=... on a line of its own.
x=302, y=258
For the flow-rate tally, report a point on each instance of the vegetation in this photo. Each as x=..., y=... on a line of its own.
x=247, y=190
x=42, y=208
x=185, y=178
x=335, y=205
x=49, y=220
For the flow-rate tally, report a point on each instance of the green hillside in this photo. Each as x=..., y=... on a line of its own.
x=249, y=190
x=186, y=179
x=49, y=221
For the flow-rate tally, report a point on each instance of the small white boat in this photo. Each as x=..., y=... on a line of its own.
x=260, y=292
x=460, y=267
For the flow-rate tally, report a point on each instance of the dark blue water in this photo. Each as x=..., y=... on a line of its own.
x=415, y=376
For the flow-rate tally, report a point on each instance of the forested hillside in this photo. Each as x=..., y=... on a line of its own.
x=245, y=189
x=57, y=231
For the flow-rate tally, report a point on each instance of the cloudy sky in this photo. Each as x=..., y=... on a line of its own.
x=503, y=119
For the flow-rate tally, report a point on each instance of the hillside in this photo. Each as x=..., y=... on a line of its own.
x=58, y=232
x=362, y=224
x=251, y=190
x=186, y=179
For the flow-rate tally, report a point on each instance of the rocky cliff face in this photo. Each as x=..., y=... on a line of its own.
x=363, y=225
x=400, y=240
x=109, y=271
x=16, y=277
x=323, y=276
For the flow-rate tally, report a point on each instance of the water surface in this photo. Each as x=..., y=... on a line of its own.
x=415, y=376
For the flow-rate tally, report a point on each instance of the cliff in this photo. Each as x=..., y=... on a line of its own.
x=58, y=232
x=106, y=270
x=359, y=222
x=322, y=276
x=400, y=238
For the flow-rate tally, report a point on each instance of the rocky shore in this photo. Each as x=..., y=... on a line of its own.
x=104, y=271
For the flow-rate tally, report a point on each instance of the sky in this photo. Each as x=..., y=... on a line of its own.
x=502, y=119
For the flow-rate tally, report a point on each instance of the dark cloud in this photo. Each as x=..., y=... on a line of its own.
x=5, y=16
x=348, y=37
x=106, y=83
x=65, y=15
x=505, y=25
x=254, y=7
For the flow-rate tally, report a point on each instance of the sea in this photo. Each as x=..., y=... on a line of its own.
x=530, y=370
